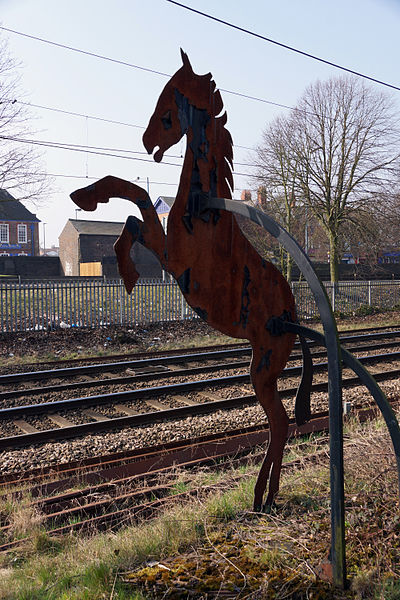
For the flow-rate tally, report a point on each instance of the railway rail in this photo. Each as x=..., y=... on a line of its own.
x=120, y=361
x=142, y=406
x=123, y=488
x=164, y=366
x=16, y=413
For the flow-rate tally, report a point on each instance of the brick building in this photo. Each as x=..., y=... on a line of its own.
x=84, y=243
x=19, y=228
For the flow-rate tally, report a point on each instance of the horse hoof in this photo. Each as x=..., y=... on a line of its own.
x=302, y=419
x=268, y=508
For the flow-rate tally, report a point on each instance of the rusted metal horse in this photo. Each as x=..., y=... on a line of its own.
x=220, y=274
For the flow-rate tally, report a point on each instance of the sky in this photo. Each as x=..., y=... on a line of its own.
x=362, y=35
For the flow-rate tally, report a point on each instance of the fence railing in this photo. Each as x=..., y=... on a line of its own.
x=348, y=296
x=43, y=305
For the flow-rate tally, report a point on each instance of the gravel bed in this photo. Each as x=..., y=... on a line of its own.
x=127, y=439
x=8, y=429
x=167, y=380
x=41, y=423
x=139, y=339
x=318, y=401
x=112, y=388
x=167, y=431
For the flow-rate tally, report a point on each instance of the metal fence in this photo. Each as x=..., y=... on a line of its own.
x=348, y=297
x=42, y=305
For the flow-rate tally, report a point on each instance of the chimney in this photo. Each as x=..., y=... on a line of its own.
x=246, y=196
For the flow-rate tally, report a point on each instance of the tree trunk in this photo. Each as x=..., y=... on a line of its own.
x=289, y=263
x=333, y=256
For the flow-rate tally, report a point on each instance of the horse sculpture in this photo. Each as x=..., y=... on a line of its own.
x=220, y=274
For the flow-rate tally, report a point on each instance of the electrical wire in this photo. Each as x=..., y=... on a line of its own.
x=95, y=150
x=87, y=147
x=127, y=64
x=77, y=114
x=281, y=45
x=80, y=51
x=92, y=178
x=84, y=150
x=95, y=118
x=154, y=71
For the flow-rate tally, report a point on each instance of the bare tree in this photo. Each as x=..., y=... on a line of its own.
x=20, y=171
x=346, y=146
x=276, y=165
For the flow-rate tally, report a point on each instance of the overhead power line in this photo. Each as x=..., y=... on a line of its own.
x=77, y=114
x=90, y=177
x=80, y=51
x=291, y=48
x=83, y=149
x=154, y=71
x=111, y=152
x=141, y=68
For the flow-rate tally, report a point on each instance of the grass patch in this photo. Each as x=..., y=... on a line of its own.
x=216, y=545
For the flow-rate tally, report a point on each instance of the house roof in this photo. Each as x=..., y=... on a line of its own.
x=96, y=227
x=163, y=204
x=13, y=210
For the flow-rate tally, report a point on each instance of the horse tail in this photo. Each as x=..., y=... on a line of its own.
x=302, y=403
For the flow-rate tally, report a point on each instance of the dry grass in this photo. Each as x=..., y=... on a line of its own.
x=215, y=547
x=24, y=521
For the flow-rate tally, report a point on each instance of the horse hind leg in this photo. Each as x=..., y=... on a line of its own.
x=267, y=394
x=131, y=233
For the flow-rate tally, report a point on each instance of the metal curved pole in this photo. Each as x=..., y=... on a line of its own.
x=338, y=553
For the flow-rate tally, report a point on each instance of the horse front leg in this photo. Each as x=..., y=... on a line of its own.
x=148, y=232
x=130, y=234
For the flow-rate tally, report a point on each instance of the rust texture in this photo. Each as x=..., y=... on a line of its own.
x=221, y=275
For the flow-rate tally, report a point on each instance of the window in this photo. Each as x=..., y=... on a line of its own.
x=22, y=234
x=4, y=233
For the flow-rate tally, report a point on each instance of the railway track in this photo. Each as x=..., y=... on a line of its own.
x=40, y=422
x=161, y=367
x=117, y=362
x=156, y=411
x=53, y=365
x=104, y=490
x=122, y=488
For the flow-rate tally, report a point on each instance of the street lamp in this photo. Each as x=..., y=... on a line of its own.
x=76, y=213
x=147, y=183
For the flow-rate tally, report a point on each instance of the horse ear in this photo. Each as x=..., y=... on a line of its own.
x=186, y=61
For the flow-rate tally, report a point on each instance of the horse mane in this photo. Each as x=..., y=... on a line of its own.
x=221, y=144
x=208, y=98
x=223, y=153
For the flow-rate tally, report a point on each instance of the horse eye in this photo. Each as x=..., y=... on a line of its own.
x=166, y=120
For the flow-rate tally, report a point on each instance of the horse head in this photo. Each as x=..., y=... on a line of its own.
x=171, y=118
